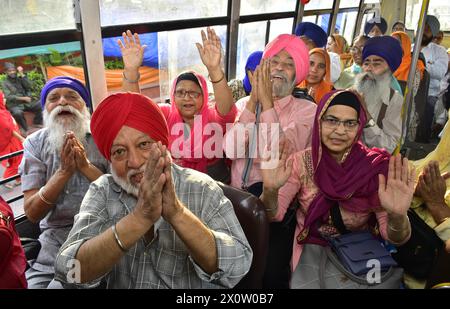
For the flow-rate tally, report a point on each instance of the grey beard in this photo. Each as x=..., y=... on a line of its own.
x=57, y=129
x=283, y=90
x=126, y=185
x=373, y=90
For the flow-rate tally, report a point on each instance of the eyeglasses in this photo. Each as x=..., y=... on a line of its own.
x=191, y=94
x=333, y=123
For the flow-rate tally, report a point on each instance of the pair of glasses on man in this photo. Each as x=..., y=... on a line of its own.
x=333, y=123
x=182, y=94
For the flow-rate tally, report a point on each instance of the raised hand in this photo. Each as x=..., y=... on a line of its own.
x=210, y=52
x=132, y=50
x=264, y=86
x=171, y=204
x=253, y=100
x=275, y=178
x=149, y=203
x=396, y=194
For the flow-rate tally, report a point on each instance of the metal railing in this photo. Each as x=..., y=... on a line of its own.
x=12, y=178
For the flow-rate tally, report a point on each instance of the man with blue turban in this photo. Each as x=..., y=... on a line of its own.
x=376, y=26
x=436, y=64
x=59, y=163
x=382, y=56
x=242, y=88
x=315, y=37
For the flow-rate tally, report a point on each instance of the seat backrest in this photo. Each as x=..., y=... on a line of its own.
x=253, y=219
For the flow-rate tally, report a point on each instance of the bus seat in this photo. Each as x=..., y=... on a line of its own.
x=253, y=219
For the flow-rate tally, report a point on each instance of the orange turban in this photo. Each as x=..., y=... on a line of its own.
x=127, y=109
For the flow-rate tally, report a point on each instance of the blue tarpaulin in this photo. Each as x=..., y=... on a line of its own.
x=110, y=49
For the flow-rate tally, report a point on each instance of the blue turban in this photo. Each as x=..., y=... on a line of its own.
x=65, y=82
x=312, y=31
x=252, y=62
x=434, y=24
x=385, y=47
x=380, y=22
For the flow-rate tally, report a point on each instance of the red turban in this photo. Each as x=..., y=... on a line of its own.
x=127, y=109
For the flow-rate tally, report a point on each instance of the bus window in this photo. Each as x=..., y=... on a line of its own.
x=252, y=37
x=280, y=26
x=122, y=12
x=36, y=16
x=251, y=7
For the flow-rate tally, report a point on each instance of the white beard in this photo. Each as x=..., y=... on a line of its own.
x=373, y=89
x=284, y=89
x=127, y=185
x=57, y=128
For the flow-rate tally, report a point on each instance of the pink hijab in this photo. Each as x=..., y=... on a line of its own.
x=353, y=183
x=188, y=152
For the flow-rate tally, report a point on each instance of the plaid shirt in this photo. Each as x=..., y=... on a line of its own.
x=164, y=262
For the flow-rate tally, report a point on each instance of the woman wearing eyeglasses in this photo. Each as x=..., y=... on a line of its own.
x=191, y=118
x=338, y=170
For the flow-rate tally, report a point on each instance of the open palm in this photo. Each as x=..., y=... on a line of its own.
x=132, y=50
x=210, y=52
x=396, y=194
x=275, y=178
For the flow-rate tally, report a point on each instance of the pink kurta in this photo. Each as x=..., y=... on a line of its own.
x=295, y=116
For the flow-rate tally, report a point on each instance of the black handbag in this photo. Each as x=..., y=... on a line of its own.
x=419, y=254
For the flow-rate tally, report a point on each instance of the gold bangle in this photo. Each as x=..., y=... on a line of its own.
x=41, y=196
x=218, y=81
x=131, y=81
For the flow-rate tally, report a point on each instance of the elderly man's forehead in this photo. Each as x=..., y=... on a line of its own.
x=375, y=58
x=283, y=54
x=129, y=135
x=63, y=90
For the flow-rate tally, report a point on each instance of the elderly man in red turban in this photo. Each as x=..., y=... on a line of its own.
x=154, y=224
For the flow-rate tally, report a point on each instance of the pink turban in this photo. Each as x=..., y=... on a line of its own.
x=296, y=48
x=127, y=109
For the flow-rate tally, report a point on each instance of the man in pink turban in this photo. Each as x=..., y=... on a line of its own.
x=271, y=108
x=153, y=223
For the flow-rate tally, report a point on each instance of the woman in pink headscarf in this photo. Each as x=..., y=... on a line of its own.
x=10, y=141
x=339, y=172
x=193, y=121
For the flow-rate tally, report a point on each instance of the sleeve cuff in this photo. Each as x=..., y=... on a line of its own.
x=443, y=230
x=247, y=116
x=32, y=181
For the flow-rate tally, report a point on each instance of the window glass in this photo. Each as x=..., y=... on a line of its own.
x=345, y=25
x=319, y=4
x=280, y=26
x=39, y=63
x=250, y=7
x=22, y=16
x=349, y=3
x=252, y=37
x=440, y=9
x=178, y=53
x=321, y=20
x=120, y=12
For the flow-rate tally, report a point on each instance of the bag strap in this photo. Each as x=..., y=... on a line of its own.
x=251, y=150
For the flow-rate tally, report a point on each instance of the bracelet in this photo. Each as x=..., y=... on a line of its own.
x=119, y=243
x=41, y=196
x=131, y=81
x=216, y=81
x=401, y=229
